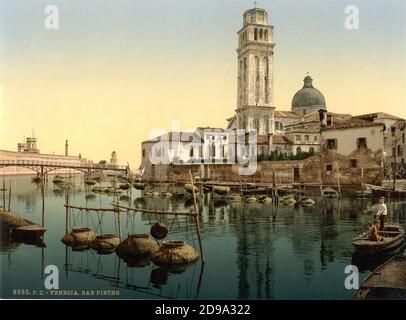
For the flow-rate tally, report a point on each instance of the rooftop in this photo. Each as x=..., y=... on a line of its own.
x=280, y=139
x=173, y=136
x=352, y=123
x=377, y=115
x=286, y=114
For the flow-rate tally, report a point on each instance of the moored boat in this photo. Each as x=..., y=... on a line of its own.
x=139, y=185
x=329, y=193
x=30, y=231
x=222, y=190
x=36, y=179
x=386, y=282
x=393, y=237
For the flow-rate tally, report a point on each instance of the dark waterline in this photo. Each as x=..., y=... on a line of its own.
x=251, y=250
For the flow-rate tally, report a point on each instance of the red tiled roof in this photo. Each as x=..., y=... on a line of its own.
x=286, y=114
x=280, y=139
x=352, y=123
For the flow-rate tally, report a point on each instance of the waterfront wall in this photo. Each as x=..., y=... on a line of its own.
x=369, y=170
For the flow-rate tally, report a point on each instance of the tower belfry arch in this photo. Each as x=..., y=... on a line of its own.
x=255, y=76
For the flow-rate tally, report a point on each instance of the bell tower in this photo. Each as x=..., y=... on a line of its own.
x=255, y=77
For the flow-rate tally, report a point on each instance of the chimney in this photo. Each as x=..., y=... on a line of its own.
x=66, y=148
x=329, y=119
x=323, y=117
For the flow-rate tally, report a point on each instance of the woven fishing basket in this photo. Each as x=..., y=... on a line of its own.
x=175, y=252
x=105, y=243
x=137, y=245
x=159, y=230
x=79, y=237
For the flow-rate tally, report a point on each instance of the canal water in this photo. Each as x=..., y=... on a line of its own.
x=252, y=250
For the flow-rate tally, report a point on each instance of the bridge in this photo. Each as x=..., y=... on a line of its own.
x=43, y=167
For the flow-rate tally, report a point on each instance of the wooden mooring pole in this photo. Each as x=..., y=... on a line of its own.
x=275, y=185
x=321, y=183
x=4, y=193
x=197, y=216
x=338, y=181
x=9, y=197
x=66, y=212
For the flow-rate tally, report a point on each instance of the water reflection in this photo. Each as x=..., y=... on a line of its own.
x=253, y=250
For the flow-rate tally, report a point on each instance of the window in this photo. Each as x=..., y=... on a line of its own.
x=315, y=138
x=255, y=34
x=298, y=137
x=311, y=150
x=400, y=151
x=191, y=152
x=266, y=35
x=361, y=143
x=244, y=124
x=278, y=125
x=256, y=123
x=403, y=138
x=353, y=163
x=307, y=137
x=329, y=168
x=393, y=152
x=393, y=130
x=143, y=153
x=261, y=34
x=331, y=144
x=266, y=120
x=298, y=150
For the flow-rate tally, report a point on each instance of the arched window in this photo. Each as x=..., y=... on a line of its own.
x=266, y=35
x=298, y=150
x=191, y=152
x=261, y=34
x=311, y=150
x=255, y=34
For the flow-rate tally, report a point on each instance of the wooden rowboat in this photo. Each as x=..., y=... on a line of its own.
x=386, y=282
x=393, y=237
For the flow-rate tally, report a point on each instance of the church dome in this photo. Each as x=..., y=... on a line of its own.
x=308, y=96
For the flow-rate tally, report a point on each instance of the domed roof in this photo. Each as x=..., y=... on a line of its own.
x=308, y=96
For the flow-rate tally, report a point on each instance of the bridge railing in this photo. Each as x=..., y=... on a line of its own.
x=87, y=165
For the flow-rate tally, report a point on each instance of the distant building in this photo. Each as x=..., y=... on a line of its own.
x=29, y=146
x=28, y=151
x=353, y=149
x=113, y=159
x=395, y=150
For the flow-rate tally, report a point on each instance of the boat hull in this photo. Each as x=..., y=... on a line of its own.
x=364, y=246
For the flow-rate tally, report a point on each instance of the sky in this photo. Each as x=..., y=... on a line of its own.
x=116, y=70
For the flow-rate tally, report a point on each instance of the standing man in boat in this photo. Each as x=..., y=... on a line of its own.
x=381, y=214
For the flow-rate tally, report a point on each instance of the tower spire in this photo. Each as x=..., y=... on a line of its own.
x=255, y=3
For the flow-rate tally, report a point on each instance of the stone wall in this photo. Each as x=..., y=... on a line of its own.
x=306, y=171
x=369, y=167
